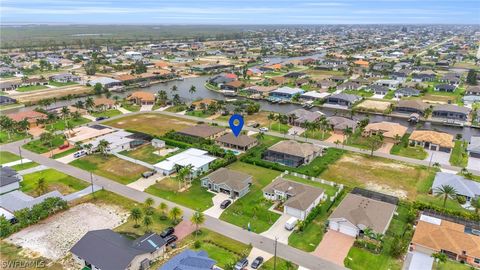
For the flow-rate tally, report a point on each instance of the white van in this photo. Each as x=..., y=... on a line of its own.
x=291, y=223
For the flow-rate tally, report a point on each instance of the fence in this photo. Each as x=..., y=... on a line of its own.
x=319, y=180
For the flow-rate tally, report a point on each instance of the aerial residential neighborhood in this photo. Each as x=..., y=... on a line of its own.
x=271, y=135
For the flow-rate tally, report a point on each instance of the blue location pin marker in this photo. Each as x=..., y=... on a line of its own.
x=236, y=124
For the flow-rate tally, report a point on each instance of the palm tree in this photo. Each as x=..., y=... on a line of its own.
x=288, y=265
x=347, y=132
x=135, y=215
x=65, y=113
x=192, y=89
x=162, y=96
x=439, y=257
x=41, y=186
x=163, y=208
x=103, y=147
x=147, y=221
x=187, y=173
x=445, y=191
x=148, y=206
x=368, y=232
x=174, y=88
x=79, y=104
x=22, y=126
x=197, y=219
x=255, y=211
x=476, y=204
x=88, y=147
x=271, y=117
x=7, y=124
x=175, y=213
x=89, y=103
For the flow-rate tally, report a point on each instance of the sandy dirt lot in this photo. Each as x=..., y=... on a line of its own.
x=53, y=237
x=35, y=96
x=374, y=105
x=154, y=124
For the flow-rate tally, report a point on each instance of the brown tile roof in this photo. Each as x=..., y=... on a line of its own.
x=439, y=138
x=238, y=84
x=264, y=89
x=103, y=101
x=125, y=77
x=31, y=116
x=388, y=129
x=447, y=236
x=206, y=101
x=202, y=131
x=366, y=212
x=302, y=196
x=234, y=179
x=241, y=140
x=145, y=96
x=295, y=148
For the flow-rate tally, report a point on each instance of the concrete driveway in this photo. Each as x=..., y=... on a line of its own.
x=215, y=211
x=278, y=230
x=67, y=159
x=335, y=137
x=385, y=148
x=254, y=253
x=146, y=108
x=473, y=163
x=334, y=247
x=437, y=156
x=143, y=183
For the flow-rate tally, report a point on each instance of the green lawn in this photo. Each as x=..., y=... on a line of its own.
x=40, y=147
x=279, y=127
x=145, y=153
x=65, y=153
x=31, y=88
x=390, y=94
x=362, y=93
x=107, y=113
x=60, y=124
x=329, y=190
x=451, y=265
x=131, y=107
x=359, y=141
x=25, y=165
x=196, y=197
x=111, y=167
x=198, y=114
x=241, y=212
x=222, y=249
x=4, y=138
x=6, y=157
x=60, y=84
x=54, y=180
x=403, y=149
x=459, y=156
x=317, y=135
x=15, y=253
x=281, y=265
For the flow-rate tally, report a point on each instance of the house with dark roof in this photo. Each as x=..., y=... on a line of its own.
x=445, y=87
x=242, y=142
x=378, y=89
x=450, y=111
x=473, y=90
x=406, y=92
x=299, y=117
x=9, y=180
x=343, y=99
x=292, y=153
x=234, y=183
x=473, y=148
x=64, y=78
x=202, y=131
x=463, y=187
x=338, y=124
x=4, y=100
x=285, y=92
x=108, y=250
x=411, y=106
x=299, y=199
x=189, y=260
x=423, y=77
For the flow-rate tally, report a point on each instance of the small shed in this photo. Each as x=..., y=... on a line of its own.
x=157, y=143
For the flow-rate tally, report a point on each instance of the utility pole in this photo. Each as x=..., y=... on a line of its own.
x=275, y=255
x=20, y=153
x=91, y=182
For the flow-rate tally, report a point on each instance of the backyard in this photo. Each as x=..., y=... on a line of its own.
x=110, y=167
x=253, y=204
x=195, y=197
x=7, y=157
x=61, y=125
x=53, y=180
x=146, y=153
x=153, y=124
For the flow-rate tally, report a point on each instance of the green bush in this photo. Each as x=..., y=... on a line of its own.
x=466, y=215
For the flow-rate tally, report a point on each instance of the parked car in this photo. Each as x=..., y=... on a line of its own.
x=101, y=118
x=225, y=204
x=63, y=146
x=291, y=223
x=148, y=174
x=257, y=262
x=263, y=129
x=168, y=231
x=80, y=153
x=170, y=239
x=241, y=264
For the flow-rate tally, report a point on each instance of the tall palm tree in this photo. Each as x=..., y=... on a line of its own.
x=147, y=221
x=175, y=213
x=41, y=186
x=197, y=219
x=271, y=117
x=7, y=124
x=22, y=126
x=89, y=103
x=80, y=104
x=476, y=204
x=163, y=207
x=445, y=191
x=192, y=89
x=135, y=215
x=65, y=113
x=347, y=132
x=103, y=147
x=174, y=88
x=149, y=202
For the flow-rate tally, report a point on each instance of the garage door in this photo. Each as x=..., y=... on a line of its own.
x=333, y=225
x=347, y=230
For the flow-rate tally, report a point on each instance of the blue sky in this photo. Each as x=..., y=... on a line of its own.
x=241, y=12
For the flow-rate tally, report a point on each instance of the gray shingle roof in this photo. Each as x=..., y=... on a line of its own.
x=189, y=260
x=302, y=196
x=463, y=186
x=7, y=176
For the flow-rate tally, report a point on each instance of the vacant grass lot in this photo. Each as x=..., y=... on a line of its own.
x=31, y=88
x=144, y=153
x=403, y=149
x=60, y=84
x=107, y=113
x=379, y=174
x=40, y=147
x=4, y=138
x=252, y=208
x=54, y=180
x=60, y=124
x=7, y=157
x=153, y=124
x=317, y=135
x=110, y=167
x=459, y=156
x=195, y=197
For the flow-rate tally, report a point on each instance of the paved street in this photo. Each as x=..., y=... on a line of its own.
x=261, y=242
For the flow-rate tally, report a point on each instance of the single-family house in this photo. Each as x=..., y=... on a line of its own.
x=362, y=209
x=473, y=90
x=390, y=131
x=463, y=187
x=407, y=92
x=343, y=99
x=444, y=87
x=349, y=86
x=411, y=106
x=4, y=100
x=473, y=148
x=83, y=134
x=9, y=180
x=198, y=159
x=313, y=95
x=456, y=240
x=221, y=79
x=206, y=103
x=285, y=92
x=338, y=124
x=450, y=111
x=432, y=140
x=142, y=98
x=64, y=78
x=235, y=85
x=260, y=90
x=234, y=183
x=298, y=199
x=118, y=141
x=103, y=104
x=8, y=86
x=299, y=117
x=31, y=116
x=242, y=142
x=202, y=131
x=189, y=260
x=292, y=153
x=109, y=250
x=105, y=82
x=378, y=89
x=423, y=77
x=391, y=84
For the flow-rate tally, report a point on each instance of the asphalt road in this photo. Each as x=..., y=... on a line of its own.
x=284, y=251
